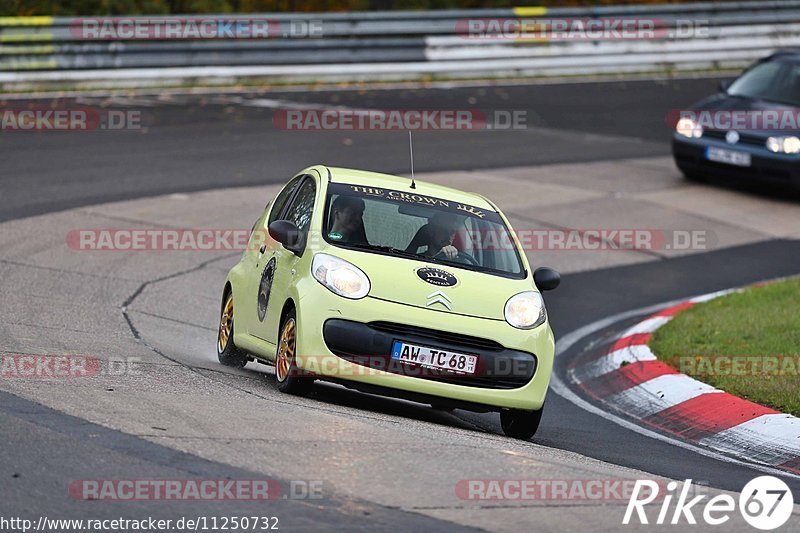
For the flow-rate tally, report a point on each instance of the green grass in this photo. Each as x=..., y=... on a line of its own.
x=760, y=322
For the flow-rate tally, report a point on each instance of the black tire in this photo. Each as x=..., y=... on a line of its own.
x=286, y=372
x=520, y=424
x=227, y=351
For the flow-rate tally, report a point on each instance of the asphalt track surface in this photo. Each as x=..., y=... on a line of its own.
x=206, y=144
x=209, y=142
x=64, y=445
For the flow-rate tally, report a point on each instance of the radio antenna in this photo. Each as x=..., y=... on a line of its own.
x=411, y=149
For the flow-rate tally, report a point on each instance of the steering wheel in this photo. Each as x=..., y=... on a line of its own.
x=464, y=256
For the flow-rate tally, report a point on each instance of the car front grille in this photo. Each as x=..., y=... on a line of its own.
x=437, y=335
x=744, y=138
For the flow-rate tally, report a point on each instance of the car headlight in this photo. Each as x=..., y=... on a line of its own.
x=340, y=277
x=689, y=128
x=525, y=310
x=786, y=145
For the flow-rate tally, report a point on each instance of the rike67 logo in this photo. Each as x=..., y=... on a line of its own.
x=766, y=503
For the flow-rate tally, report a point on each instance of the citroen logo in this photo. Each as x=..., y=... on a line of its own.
x=439, y=297
x=732, y=137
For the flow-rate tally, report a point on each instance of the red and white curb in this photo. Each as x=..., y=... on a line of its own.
x=629, y=379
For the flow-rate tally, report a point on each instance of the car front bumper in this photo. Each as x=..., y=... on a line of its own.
x=370, y=345
x=690, y=156
x=350, y=341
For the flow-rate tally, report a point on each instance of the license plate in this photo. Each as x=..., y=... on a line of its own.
x=730, y=157
x=434, y=357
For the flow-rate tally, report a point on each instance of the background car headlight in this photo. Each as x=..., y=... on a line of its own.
x=786, y=145
x=689, y=128
x=340, y=277
x=525, y=310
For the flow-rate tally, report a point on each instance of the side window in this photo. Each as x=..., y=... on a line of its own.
x=303, y=206
x=281, y=199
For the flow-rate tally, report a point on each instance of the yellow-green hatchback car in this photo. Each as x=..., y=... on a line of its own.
x=392, y=287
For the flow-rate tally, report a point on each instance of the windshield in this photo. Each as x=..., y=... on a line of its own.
x=412, y=225
x=775, y=81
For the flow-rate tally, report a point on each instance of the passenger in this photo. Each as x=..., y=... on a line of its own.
x=347, y=223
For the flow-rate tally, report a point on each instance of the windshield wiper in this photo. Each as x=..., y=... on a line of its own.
x=397, y=251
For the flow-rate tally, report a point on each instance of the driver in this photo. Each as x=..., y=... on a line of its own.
x=437, y=235
x=347, y=224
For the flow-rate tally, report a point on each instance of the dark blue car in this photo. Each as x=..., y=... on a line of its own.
x=749, y=129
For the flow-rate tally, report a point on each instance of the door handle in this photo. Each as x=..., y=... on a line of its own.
x=263, y=249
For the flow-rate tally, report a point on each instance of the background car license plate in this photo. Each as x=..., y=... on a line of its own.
x=434, y=357
x=731, y=157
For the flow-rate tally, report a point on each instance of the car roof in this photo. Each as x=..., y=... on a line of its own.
x=388, y=181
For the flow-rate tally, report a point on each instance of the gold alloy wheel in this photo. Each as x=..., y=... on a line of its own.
x=225, y=325
x=286, y=350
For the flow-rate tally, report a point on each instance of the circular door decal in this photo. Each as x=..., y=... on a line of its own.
x=264, y=289
x=436, y=276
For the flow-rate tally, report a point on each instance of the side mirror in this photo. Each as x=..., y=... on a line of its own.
x=724, y=85
x=546, y=279
x=286, y=233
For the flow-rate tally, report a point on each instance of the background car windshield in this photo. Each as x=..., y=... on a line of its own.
x=417, y=224
x=776, y=81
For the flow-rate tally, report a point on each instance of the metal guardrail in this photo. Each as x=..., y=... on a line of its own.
x=370, y=45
